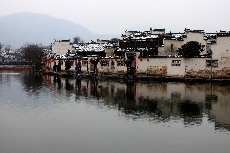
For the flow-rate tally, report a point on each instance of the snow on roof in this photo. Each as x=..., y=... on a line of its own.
x=137, y=35
x=91, y=47
x=177, y=35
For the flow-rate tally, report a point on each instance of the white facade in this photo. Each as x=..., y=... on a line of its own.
x=170, y=47
x=171, y=66
x=61, y=47
x=196, y=36
x=221, y=48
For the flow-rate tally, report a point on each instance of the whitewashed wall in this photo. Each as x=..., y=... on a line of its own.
x=61, y=47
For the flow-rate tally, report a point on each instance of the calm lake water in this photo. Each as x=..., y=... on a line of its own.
x=44, y=114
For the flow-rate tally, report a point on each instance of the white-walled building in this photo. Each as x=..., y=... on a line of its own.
x=61, y=47
x=162, y=57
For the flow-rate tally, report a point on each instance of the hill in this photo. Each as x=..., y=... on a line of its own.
x=18, y=29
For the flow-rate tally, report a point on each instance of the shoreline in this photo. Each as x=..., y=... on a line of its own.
x=135, y=77
x=141, y=78
x=16, y=67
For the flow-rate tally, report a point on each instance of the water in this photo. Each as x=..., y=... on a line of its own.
x=44, y=114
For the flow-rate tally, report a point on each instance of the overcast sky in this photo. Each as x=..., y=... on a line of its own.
x=116, y=16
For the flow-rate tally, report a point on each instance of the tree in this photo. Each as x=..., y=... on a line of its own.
x=7, y=48
x=77, y=40
x=32, y=53
x=190, y=49
x=67, y=65
x=0, y=49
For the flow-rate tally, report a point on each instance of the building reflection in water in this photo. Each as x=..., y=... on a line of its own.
x=159, y=102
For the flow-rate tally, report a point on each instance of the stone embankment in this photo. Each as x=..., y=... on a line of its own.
x=141, y=77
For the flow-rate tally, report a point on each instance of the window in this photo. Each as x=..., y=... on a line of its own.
x=104, y=62
x=176, y=62
x=84, y=62
x=112, y=63
x=120, y=63
x=214, y=63
x=171, y=47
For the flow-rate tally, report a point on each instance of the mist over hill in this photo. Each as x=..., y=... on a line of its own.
x=18, y=29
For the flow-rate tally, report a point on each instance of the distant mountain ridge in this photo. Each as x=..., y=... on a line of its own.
x=20, y=28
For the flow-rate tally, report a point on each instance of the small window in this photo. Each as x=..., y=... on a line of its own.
x=171, y=47
x=213, y=63
x=84, y=62
x=208, y=63
x=120, y=63
x=176, y=62
x=104, y=62
x=112, y=63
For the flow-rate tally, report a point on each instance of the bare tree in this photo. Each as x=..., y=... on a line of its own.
x=7, y=48
x=0, y=49
x=32, y=53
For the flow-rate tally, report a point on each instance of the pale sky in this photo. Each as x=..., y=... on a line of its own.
x=116, y=16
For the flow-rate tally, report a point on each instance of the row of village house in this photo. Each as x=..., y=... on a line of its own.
x=151, y=52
